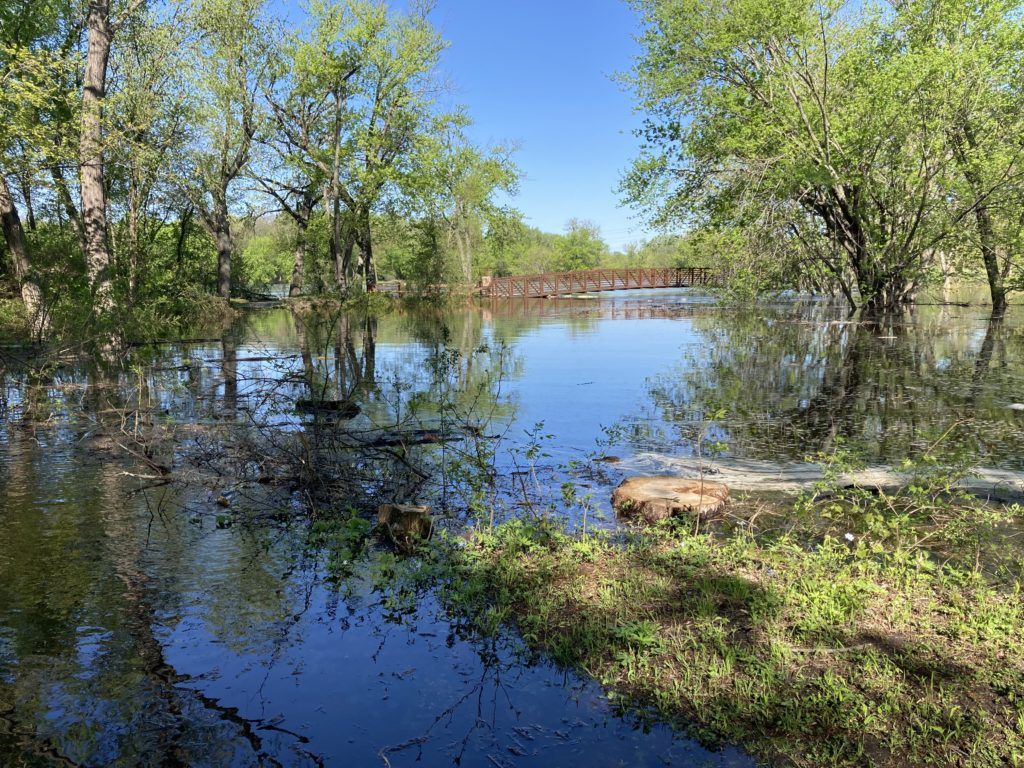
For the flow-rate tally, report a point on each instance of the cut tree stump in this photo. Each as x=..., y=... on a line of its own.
x=405, y=524
x=651, y=499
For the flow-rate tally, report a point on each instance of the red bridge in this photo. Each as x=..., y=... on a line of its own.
x=590, y=280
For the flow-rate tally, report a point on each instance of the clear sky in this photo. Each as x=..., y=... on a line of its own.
x=539, y=72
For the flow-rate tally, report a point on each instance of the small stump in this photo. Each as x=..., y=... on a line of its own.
x=651, y=499
x=405, y=524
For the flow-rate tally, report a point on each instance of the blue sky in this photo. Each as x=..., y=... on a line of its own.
x=540, y=73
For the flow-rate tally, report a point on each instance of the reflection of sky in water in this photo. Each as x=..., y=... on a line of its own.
x=577, y=383
x=98, y=589
x=358, y=683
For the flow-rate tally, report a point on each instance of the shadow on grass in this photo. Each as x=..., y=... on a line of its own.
x=805, y=656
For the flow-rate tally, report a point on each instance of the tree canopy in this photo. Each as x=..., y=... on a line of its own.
x=854, y=141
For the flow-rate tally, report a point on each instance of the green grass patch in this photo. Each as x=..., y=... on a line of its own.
x=852, y=628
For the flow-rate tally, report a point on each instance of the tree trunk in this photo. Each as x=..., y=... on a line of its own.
x=90, y=155
x=990, y=257
x=982, y=217
x=224, y=249
x=295, y=289
x=463, y=243
x=301, y=214
x=134, y=236
x=14, y=235
x=339, y=248
x=68, y=204
x=343, y=267
x=466, y=256
x=184, y=225
x=366, y=254
x=217, y=222
x=26, y=195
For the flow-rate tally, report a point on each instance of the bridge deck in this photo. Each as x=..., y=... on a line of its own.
x=590, y=280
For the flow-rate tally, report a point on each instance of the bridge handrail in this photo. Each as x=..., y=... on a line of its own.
x=575, y=280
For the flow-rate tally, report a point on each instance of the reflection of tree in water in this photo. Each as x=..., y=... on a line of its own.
x=791, y=386
x=99, y=561
x=83, y=676
x=356, y=428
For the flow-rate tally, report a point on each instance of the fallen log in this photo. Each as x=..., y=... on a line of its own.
x=753, y=475
x=342, y=409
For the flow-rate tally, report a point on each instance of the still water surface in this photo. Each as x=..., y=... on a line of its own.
x=141, y=623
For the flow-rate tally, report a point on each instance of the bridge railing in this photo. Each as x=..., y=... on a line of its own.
x=590, y=280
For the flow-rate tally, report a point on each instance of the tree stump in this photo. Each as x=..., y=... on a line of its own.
x=651, y=499
x=405, y=524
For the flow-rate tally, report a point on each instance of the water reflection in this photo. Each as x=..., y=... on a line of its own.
x=793, y=387
x=157, y=608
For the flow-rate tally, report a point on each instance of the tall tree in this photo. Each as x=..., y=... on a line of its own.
x=358, y=93
x=100, y=30
x=396, y=85
x=460, y=183
x=229, y=60
x=812, y=122
x=312, y=102
x=148, y=118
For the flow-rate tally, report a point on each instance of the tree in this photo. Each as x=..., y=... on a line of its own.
x=228, y=60
x=353, y=100
x=394, y=107
x=581, y=247
x=977, y=50
x=101, y=30
x=14, y=236
x=148, y=120
x=309, y=100
x=456, y=185
x=814, y=123
x=470, y=178
x=32, y=74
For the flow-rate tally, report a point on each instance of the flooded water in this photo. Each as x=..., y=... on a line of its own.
x=165, y=598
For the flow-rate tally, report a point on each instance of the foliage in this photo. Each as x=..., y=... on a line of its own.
x=830, y=130
x=266, y=260
x=581, y=247
x=823, y=641
x=13, y=323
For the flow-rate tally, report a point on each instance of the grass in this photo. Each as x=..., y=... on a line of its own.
x=898, y=642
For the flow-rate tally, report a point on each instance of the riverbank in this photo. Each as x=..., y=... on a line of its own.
x=895, y=642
